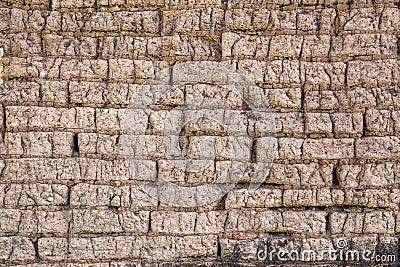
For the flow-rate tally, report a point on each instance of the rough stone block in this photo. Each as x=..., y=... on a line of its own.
x=323, y=75
x=319, y=123
x=87, y=195
x=56, y=45
x=39, y=144
x=284, y=98
x=301, y=175
x=173, y=222
x=382, y=122
x=286, y=46
x=16, y=249
x=123, y=247
x=25, y=43
x=87, y=69
x=192, y=20
x=261, y=198
x=54, y=222
x=373, y=222
x=290, y=148
x=17, y=92
x=289, y=123
x=373, y=73
x=378, y=175
x=49, y=119
x=109, y=221
x=328, y=148
x=387, y=147
x=278, y=72
x=364, y=45
x=347, y=123
x=311, y=222
x=29, y=195
x=244, y=46
x=248, y=220
x=363, y=19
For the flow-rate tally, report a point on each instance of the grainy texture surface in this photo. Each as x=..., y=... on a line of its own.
x=329, y=70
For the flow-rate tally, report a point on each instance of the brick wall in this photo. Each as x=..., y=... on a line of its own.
x=328, y=69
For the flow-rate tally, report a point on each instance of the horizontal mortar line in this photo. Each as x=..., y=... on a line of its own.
x=278, y=135
x=133, y=183
x=273, y=110
x=271, y=5
x=118, y=8
x=205, y=33
x=302, y=135
x=266, y=33
x=262, y=84
x=95, y=58
x=141, y=81
x=276, y=161
x=344, y=58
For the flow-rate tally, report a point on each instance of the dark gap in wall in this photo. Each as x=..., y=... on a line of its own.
x=149, y=229
x=219, y=253
x=318, y=208
x=253, y=150
x=69, y=195
x=272, y=183
x=335, y=180
x=302, y=97
x=221, y=204
x=3, y=128
x=347, y=206
x=327, y=224
x=40, y=95
x=76, y=144
x=365, y=123
x=398, y=40
x=68, y=94
x=36, y=248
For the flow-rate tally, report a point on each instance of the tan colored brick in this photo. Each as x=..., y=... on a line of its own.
x=319, y=123
x=262, y=198
x=328, y=148
x=87, y=195
x=378, y=148
x=381, y=175
x=108, y=221
x=17, y=249
x=374, y=222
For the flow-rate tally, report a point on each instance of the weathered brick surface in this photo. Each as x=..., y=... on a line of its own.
x=373, y=222
x=276, y=221
x=269, y=198
x=69, y=69
x=369, y=175
x=131, y=247
x=87, y=195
